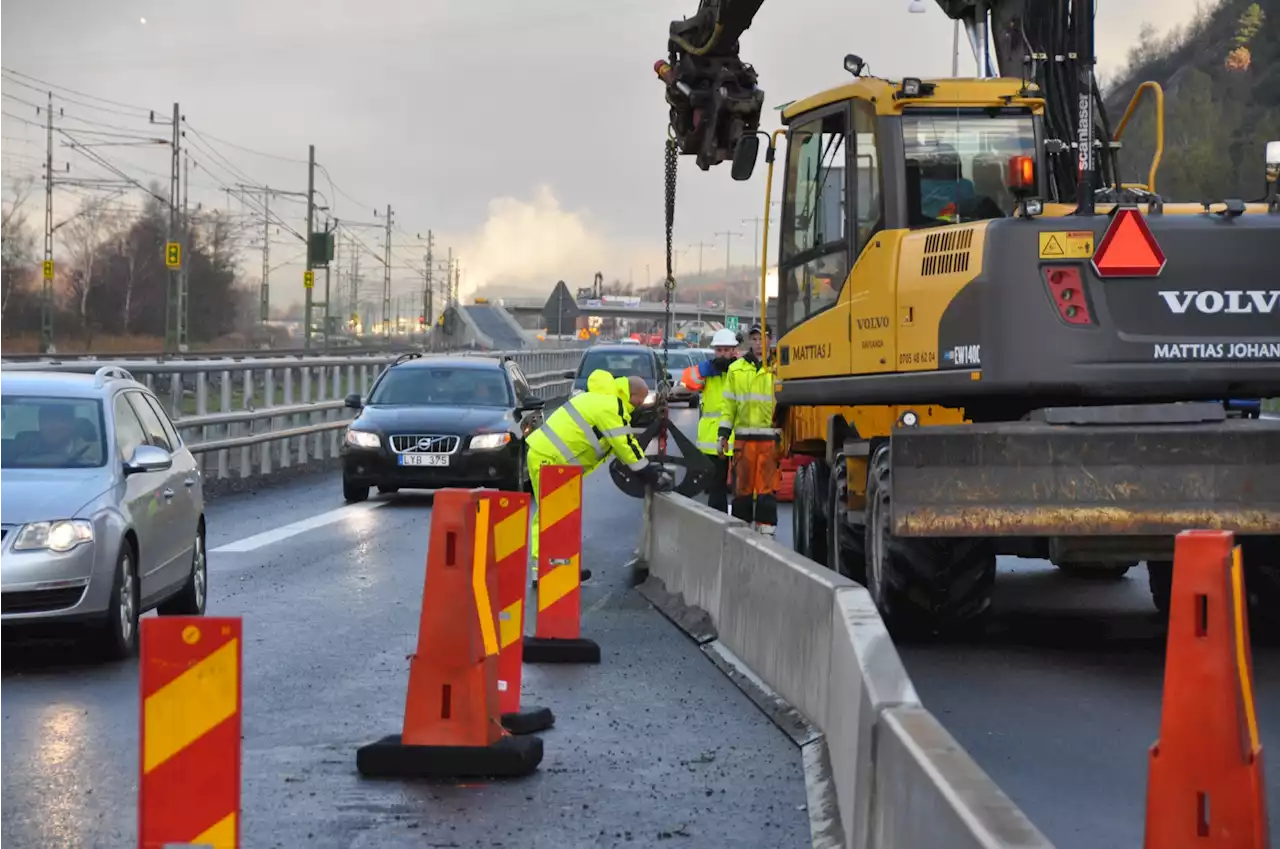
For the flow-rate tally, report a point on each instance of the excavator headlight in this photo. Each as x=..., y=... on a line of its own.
x=854, y=64
x=917, y=7
x=910, y=87
x=1273, y=153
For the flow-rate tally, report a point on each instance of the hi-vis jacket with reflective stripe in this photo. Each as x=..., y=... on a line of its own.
x=588, y=426
x=710, y=381
x=748, y=401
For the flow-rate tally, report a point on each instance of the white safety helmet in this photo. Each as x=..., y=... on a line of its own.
x=724, y=338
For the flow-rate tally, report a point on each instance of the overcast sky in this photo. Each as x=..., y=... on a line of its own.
x=526, y=133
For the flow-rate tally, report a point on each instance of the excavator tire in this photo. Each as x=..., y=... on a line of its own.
x=808, y=524
x=815, y=484
x=922, y=587
x=799, y=513
x=846, y=543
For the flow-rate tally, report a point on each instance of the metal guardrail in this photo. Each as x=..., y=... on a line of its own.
x=291, y=410
x=223, y=353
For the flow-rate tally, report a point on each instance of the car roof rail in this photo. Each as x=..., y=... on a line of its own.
x=411, y=355
x=102, y=375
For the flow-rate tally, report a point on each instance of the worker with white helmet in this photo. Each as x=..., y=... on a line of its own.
x=709, y=378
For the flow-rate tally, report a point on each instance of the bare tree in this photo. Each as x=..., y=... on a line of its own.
x=85, y=236
x=17, y=244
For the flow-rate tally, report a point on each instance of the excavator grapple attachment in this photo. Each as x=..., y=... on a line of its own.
x=697, y=474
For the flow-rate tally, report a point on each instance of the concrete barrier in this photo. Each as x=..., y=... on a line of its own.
x=776, y=614
x=929, y=792
x=692, y=535
x=866, y=679
x=788, y=629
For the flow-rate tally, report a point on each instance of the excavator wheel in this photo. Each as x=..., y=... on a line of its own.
x=846, y=543
x=922, y=586
x=800, y=514
x=1261, y=559
x=815, y=493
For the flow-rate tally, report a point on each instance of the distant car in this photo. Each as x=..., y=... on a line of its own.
x=623, y=360
x=677, y=362
x=672, y=345
x=436, y=422
x=103, y=508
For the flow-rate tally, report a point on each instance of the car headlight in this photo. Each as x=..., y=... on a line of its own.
x=60, y=536
x=363, y=439
x=486, y=441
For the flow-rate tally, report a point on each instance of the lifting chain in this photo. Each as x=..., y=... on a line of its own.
x=698, y=469
x=672, y=158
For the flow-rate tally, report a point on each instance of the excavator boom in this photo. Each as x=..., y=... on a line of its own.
x=715, y=99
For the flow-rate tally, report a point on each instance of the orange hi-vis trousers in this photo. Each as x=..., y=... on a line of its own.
x=756, y=478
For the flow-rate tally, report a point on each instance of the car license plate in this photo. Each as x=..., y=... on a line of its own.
x=424, y=459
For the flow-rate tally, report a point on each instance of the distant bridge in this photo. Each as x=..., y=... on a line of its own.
x=523, y=308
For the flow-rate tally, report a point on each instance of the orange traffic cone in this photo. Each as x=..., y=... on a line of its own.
x=1205, y=786
x=556, y=637
x=509, y=517
x=452, y=721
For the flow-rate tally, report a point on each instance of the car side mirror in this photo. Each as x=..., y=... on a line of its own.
x=353, y=401
x=745, y=153
x=148, y=458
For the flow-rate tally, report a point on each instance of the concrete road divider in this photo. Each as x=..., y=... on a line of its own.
x=809, y=647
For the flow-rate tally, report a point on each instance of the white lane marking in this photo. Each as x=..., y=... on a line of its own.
x=293, y=529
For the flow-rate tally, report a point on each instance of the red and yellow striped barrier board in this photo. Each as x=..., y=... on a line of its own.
x=189, y=791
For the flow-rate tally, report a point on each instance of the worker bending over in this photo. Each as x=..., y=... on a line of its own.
x=584, y=432
x=709, y=378
x=748, y=416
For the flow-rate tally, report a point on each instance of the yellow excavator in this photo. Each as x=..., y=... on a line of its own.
x=990, y=343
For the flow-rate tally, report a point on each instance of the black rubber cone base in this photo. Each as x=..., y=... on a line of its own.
x=528, y=721
x=510, y=757
x=545, y=650
x=584, y=575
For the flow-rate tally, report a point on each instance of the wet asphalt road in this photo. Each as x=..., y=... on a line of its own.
x=652, y=747
x=1059, y=701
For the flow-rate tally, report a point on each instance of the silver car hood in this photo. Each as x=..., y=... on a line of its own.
x=42, y=495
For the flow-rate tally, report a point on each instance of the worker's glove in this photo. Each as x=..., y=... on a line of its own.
x=665, y=482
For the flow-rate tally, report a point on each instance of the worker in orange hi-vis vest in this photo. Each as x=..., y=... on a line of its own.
x=748, y=416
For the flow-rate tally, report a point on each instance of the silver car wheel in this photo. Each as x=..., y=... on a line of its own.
x=127, y=613
x=199, y=576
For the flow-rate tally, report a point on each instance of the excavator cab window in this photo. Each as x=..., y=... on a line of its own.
x=956, y=161
x=831, y=205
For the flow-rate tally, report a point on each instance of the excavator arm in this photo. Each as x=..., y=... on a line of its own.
x=715, y=99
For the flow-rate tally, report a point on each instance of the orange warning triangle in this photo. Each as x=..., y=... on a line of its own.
x=1128, y=248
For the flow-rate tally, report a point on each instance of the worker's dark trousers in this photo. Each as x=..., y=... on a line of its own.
x=763, y=509
x=718, y=489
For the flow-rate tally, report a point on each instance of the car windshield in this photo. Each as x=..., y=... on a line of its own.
x=678, y=359
x=442, y=387
x=51, y=433
x=957, y=161
x=618, y=363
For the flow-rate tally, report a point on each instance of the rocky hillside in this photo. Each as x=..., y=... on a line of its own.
x=1221, y=79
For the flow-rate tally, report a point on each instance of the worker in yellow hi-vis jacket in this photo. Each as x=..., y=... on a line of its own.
x=584, y=432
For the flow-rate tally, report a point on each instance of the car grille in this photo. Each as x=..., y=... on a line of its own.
x=40, y=601
x=424, y=443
